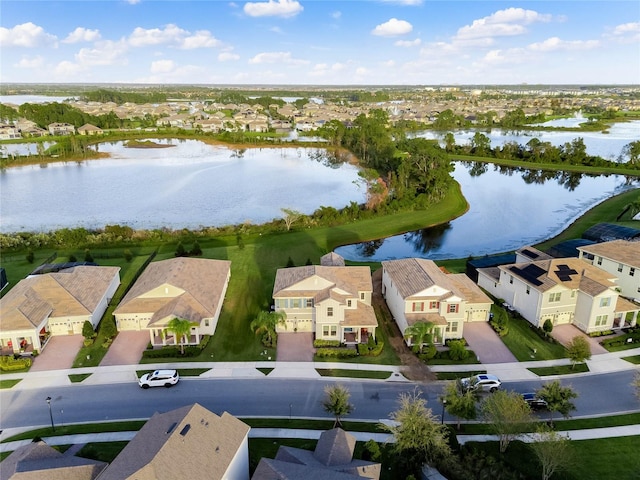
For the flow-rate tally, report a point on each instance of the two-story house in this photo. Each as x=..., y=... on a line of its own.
x=564, y=291
x=333, y=302
x=620, y=258
x=61, y=129
x=416, y=290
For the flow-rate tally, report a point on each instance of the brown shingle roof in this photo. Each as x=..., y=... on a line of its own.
x=621, y=251
x=363, y=316
x=189, y=442
x=349, y=279
x=414, y=275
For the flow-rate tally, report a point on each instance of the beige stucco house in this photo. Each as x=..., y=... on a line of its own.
x=416, y=290
x=333, y=302
x=183, y=287
x=56, y=303
x=562, y=290
x=189, y=442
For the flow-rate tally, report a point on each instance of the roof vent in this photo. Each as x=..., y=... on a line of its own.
x=185, y=429
x=170, y=429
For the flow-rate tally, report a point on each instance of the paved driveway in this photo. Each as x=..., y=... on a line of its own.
x=565, y=333
x=58, y=354
x=126, y=349
x=295, y=347
x=486, y=343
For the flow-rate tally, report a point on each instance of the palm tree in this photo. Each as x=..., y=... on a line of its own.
x=337, y=402
x=180, y=328
x=421, y=333
x=267, y=322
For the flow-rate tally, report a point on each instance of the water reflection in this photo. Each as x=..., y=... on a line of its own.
x=508, y=208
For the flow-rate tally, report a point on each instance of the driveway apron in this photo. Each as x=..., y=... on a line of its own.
x=565, y=333
x=486, y=344
x=58, y=354
x=126, y=349
x=295, y=347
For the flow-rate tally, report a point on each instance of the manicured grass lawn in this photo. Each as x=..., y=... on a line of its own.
x=78, y=377
x=334, y=372
x=635, y=359
x=102, y=451
x=9, y=383
x=132, y=425
x=522, y=340
x=560, y=369
x=266, y=371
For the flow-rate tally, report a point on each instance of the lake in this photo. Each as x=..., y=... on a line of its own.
x=189, y=185
x=508, y=209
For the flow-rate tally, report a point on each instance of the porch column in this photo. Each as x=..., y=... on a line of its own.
x=151, y=335
x=634, y=319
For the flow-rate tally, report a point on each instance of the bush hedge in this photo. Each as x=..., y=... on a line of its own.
x=371, y=351
x=9, y=363
x=326, y=343
x=336, y=352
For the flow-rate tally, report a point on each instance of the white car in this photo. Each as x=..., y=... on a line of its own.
x=484, y=382
x=159, y=378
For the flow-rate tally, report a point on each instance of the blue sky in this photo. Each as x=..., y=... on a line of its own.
x=370, y=42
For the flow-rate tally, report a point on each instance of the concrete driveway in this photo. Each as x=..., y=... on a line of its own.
x=295, y=347
x=486, y=344
x=126, y=349
x=565, y=333
x=58, y=354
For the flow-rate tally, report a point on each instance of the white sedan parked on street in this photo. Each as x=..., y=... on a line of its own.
x=159, y=378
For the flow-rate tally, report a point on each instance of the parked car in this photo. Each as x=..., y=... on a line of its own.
x=159, y=378
x=484, y=382
x=535, y=402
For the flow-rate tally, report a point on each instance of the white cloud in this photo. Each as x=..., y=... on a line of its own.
x=507, y=22
x=392, y=28
x=555, y=43
x=410, y=3
x=277, y=8
x=502, y=57
x=26, y=62
x=389, y=64
x=228, y=56
x=276, y=57
x=162, y=66
x=26, y=35
x=66, y=69
x=201, y=39
x=627, y=32
x=104, y=53
x=142, y=37
x=336, y=15
x=361, y=71
x=277, y=30
x=133, y=2
x=408, y=43
x=81, y=34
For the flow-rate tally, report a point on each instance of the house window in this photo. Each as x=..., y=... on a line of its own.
x=329, y=311
x=601, y=320
x=309, y=302
x=605, y=302
x=452, y=327
x=619, y=267
x=417, y=307
x=599, y=261
x=206, y=322
x=632, y=271
x=554, y=297
x=296, y=303
x=528, y=289
x=434, y=305
x=348, y=303
x=573, y=293
x=453, y=308
x=361, y=295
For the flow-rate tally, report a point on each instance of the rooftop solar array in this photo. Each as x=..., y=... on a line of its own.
x=564, y=273
x=529, y=253
x=531, y=273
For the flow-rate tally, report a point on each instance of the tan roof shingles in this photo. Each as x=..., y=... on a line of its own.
x=350, y=279
x=166, y=449
x=201, y=279
x=622, y=251
x=363, y=316
x=414, y=275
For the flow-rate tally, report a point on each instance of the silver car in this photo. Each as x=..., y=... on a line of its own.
x=483, y=382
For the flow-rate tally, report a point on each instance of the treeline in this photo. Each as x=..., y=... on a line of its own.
x=115, y=96
x=44, y=114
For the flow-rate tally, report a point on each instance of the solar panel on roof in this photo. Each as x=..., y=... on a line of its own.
x=530, y=273
x=564, y=278
x=530, y=253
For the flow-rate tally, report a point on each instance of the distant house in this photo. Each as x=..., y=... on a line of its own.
x=189, y=442
x=416, y=290
x=620, y=258
x=56, y=303
x=88, y=129
x=188, y=288
x=331, y=460
x=562, y=290
x=61, y=129
x=333, y=302
x=37, y=460
x=9, y=132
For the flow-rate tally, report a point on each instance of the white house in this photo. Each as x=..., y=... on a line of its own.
x=416, y=290
x=620, y=258
x=564, y=291
x=55, y=303
x=333, y=302
x=188, y=288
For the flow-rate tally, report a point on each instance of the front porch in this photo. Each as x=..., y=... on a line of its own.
x=353, y=336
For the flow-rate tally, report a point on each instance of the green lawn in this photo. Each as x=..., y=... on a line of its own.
x=78, y=377
x=334, y=372
x=9, y=383
x=635, y=359
x=522, y=341
x=560, y=369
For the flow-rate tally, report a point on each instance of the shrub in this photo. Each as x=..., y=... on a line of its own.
x=547, y=326
x=87, y=256
x=180, y=250
x=337, y=352
x=372, y=451
x=457, y=350
x=367, y=350
x=87, y=342
x=204, y=341
x=326, y=343
x=196, y=250
x=87, y=330
x=108, y=327
x=128, y=256
x=9, y=363
x=30, y=256
x=73, y=258
x=428, y=353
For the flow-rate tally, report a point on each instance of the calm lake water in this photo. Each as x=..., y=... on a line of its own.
x=186, y=186
x=508, y=210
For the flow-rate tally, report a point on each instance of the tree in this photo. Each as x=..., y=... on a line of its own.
x=547, y=326
x=180, y=328
x=460, y=404
x=196, y=250
x=30, y=256
x=87, y=255
x=290, y=216
x=87, y=330
x=419, y=437
x=420, y=333
x=108, y=327
x=337, y=402
x=267, y=322
x=507, y=414
x=631, y=150
x=552, y=449
x=578, y=350
x=180, y=250
x=558, y=398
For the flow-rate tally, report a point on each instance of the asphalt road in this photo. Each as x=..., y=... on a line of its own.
x=373, y=400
